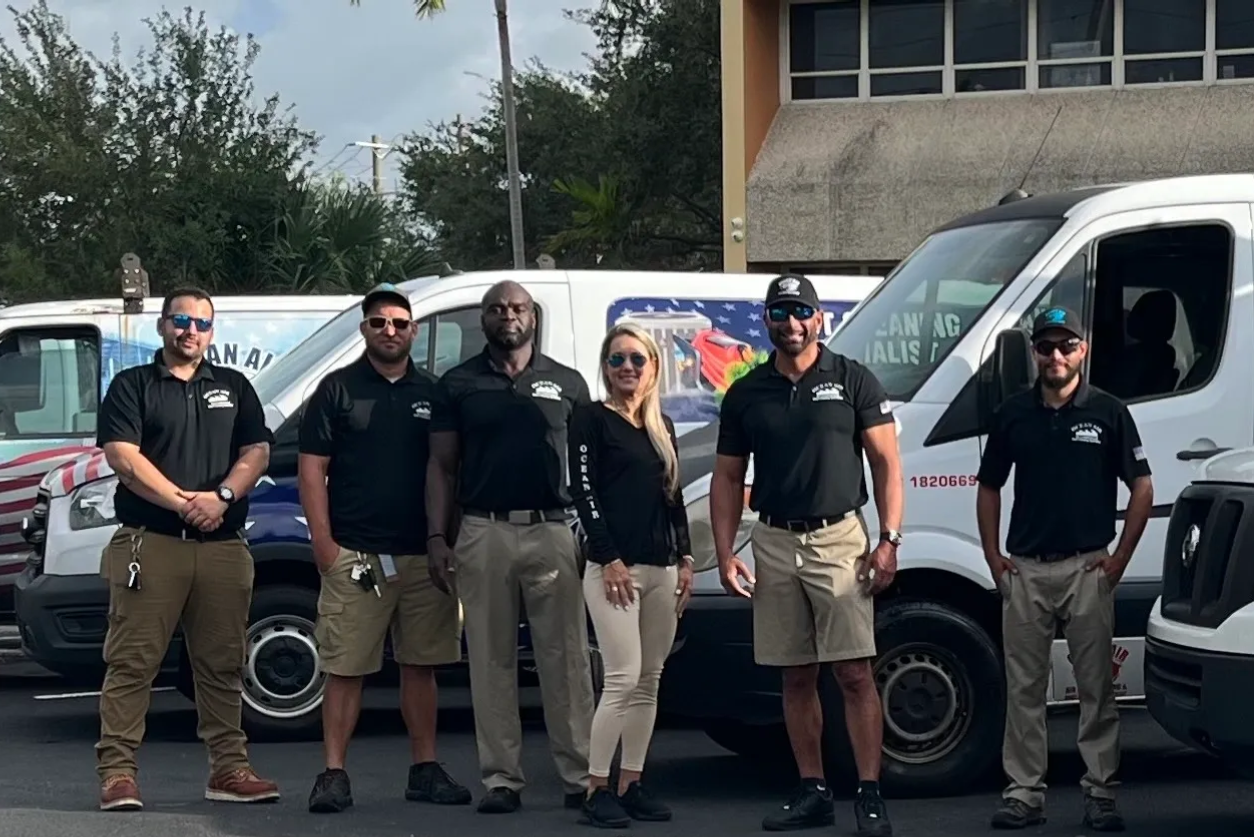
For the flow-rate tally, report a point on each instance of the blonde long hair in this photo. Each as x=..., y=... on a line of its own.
x=651, y=402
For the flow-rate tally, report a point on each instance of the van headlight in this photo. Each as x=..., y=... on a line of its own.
x=702, y=534
x=91, y=505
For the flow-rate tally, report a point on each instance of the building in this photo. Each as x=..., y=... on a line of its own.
x=851, y=128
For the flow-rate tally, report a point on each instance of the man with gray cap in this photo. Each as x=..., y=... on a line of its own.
x=364, y=441
x=1070, y=445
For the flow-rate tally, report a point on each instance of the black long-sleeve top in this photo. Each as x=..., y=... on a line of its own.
x=618, y=483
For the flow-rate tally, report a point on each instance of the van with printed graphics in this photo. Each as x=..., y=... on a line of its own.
x=57, y=359
x=709, y=327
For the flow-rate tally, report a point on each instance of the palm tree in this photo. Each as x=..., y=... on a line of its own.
x=428, y=8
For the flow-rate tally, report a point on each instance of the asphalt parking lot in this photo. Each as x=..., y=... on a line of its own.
x=49, y=784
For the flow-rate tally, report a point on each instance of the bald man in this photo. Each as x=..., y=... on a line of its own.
x=498, y=453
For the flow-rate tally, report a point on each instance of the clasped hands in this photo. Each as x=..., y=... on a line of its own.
x=202, y=509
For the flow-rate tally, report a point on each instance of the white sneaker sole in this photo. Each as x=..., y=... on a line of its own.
x=227, y=796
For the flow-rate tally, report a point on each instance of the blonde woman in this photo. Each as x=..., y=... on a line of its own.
x=625, y=485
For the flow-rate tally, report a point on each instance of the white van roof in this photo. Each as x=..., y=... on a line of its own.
x=257, y=302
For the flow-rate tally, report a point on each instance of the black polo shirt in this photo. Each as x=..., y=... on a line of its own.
x=377, y=435
x=192, y=431
x=805, y=438
x=1068, y=463
x=512, y=432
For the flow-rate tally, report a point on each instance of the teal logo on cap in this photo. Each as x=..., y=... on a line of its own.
x=1056, y=316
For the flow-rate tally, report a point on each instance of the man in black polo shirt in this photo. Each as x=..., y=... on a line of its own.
x=1070, y=444
x=363, y=464
x=188, y=441
x=806, y=416
x=498, y=436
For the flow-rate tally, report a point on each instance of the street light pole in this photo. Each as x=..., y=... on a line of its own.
x=379, y=149
x=511, y=139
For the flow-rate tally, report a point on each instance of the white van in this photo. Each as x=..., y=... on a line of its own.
x=710, y=329
x=57, y=359
x=1162, y=273
x=1199, y=656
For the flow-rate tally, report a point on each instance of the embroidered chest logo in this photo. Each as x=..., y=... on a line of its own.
x=218, y=399
x=422, y=409
x=1086, y=432
x=828, y=392
x=547, y=390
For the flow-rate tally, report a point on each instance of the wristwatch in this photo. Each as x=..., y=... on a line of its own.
x=225, y=494
x=892, y=536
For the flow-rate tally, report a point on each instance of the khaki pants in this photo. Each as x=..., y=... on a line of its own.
x=808, y=605
x=500, y=567
x=1034, y=601
x=353, y=623
x=634, y=645
x=207, y=587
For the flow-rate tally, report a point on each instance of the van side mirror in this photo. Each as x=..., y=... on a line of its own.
x=1011, y=371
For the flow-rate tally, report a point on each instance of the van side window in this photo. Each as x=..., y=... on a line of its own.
x=1159, y=308
x=49, y=383
x=448, y=338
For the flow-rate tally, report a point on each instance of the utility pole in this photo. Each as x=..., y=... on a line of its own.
x=379, y=149
x=511, y=139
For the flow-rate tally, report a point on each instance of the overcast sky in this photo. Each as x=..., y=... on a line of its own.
x=355, y=71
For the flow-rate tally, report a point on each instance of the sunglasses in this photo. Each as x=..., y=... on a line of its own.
x=618, y=359
x=1046, y=348
x=380, y=323
x=781, y=313
x=184, y=321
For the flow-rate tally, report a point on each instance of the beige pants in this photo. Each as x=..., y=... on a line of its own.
x=634, y=645
x=500, y=567
x=1035, y=601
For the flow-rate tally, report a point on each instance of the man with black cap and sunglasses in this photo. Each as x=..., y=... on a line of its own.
x=1070, y=445
x=806, y=416
x=364, y=441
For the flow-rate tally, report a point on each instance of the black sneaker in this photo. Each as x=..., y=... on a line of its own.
x=1015, y=813
x=430, y=782
x=810, y=807
x=602, y=810
x=642, y=805
x=500, y=800
x=872, y=815
x=1101, y=814
x=331, y=793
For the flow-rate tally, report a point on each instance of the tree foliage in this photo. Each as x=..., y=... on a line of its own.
x=169, y=155
x=621, y=164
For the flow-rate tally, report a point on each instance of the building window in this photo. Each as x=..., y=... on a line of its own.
x=868, y=49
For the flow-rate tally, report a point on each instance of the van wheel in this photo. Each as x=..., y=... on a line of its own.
x=282, y=678
x=942, y=691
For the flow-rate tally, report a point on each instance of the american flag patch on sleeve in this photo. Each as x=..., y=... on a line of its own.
x=1138, y=453
x=886, y=407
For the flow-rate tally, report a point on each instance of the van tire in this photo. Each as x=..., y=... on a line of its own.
x=953, y=734
x=282, y=679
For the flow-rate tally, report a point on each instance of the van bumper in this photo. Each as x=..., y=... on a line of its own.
x=1202, y=698
x=711, y=673
x=63, y=620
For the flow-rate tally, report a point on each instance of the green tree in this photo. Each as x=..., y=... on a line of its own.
x=427, y=8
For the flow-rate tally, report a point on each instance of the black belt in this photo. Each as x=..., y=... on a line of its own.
x=804, y=524
x=191, y=533
x=1055, y=557
x=523, y=517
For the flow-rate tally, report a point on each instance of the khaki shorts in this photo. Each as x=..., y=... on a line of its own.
x=808, y=605
x=352, y=623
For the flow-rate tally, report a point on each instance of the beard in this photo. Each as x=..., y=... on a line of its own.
x=387, y=354
x=507, y=341
x=1058, y=381
x=780, y=341
x=185, y=353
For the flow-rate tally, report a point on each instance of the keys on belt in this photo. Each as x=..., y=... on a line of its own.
x=363, y=575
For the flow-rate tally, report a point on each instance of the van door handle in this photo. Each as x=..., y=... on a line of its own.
x=1204, y=453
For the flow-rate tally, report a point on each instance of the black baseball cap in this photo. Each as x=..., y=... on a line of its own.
x=388, y=291
x=792, y=287
x=1057, y=318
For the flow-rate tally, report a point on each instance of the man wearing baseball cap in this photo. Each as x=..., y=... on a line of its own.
x=806, y=416
x=1070, y=444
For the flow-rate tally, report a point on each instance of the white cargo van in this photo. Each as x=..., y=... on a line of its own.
x=57, y=359
x=710, y=329
x=1199, y=655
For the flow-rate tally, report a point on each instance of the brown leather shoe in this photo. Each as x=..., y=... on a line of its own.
x=120, y=792
x=241, y=785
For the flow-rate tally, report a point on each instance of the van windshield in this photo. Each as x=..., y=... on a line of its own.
x=276, y=378
x=913, y=319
